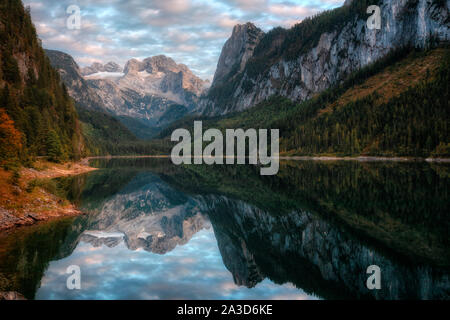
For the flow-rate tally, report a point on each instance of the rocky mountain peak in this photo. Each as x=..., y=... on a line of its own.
x=299, y=62
x=242, y=28
x=132, y=65
x=153, y=65
x=161, y=63
x=164, y=73
x=112, y=67
x=237, y=50
x=154, y=91
x=71, y=75
x=63, y=63
x=98, y=67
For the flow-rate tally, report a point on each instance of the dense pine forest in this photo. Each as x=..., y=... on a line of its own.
x=38, y=116
x=411, y=123
x=397, y=106
x=105, y=135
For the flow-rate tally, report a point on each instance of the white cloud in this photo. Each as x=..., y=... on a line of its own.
x=290, y=11
x=191, y=31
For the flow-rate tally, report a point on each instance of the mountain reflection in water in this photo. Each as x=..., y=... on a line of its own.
x=157, y=231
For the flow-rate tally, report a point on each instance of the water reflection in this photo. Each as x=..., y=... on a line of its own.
x=193, y=271
x=159, y=231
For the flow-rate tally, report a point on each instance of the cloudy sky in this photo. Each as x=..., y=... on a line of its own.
x=190, y=31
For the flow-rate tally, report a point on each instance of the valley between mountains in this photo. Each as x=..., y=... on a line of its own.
x=362, y=182
x=331, y=86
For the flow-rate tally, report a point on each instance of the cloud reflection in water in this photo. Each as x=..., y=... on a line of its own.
x=192, y=271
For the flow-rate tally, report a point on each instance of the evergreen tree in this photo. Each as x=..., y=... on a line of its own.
x=40, y=102
x=10, y=69
x=54, y=148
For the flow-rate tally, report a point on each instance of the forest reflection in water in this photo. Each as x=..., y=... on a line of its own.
x=155, y=230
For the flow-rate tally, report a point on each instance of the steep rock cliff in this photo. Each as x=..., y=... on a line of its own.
x=323, y=50
x=236, y=51
x=77, y=86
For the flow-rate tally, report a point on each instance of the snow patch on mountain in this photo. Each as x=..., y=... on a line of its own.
x=105, y=75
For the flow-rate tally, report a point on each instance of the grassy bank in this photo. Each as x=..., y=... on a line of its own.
x=26, y=195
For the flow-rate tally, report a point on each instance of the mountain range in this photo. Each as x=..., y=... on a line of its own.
x=327, y=83
x=144, y=95
x=333, y=86
x=296, y=63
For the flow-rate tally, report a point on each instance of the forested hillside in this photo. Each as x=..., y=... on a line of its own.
x=401, y=111
x=286, y=43
x=320, y=51
x=397, y=106
x=105, y=135
x=37, y=115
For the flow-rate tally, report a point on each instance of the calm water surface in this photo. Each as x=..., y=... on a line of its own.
x=157, y=231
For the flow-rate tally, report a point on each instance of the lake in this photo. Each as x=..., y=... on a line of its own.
x=153, y=230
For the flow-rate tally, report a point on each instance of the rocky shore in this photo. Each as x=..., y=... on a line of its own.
x=23, y=204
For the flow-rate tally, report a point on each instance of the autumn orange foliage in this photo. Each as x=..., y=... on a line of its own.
x=10, y=137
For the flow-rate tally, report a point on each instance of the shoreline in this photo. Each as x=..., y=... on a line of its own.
x=365, y=159
x=20, y=206
x=300, y=158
